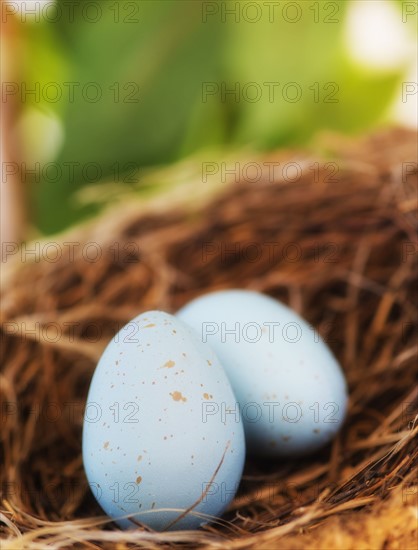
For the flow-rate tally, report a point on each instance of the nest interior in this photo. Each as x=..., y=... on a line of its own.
x=344, y=257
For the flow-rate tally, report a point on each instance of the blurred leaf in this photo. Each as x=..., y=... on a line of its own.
x=302, y=77
x=171, y=83
x=43, y=64
x=150, y=73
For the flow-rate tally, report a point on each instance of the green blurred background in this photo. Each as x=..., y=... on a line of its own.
x=147, y=83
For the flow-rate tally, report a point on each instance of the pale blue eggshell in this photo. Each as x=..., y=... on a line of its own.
x=150, y=448
x=291, y=390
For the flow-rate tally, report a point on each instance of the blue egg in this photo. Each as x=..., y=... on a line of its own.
x=156, y=449
x=291, y=390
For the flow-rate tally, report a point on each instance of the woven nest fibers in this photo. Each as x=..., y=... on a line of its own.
x=344, y=258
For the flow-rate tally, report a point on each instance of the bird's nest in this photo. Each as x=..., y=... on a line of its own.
x=340, y=249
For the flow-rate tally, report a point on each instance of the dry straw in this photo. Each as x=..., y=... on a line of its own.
x=351, y=271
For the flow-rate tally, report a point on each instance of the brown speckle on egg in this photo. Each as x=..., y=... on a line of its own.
x=177, y=396
x=138, y=480
x=168, y=365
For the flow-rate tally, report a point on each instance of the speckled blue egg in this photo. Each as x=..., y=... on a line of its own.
x=291, y=390
x=156, y=449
